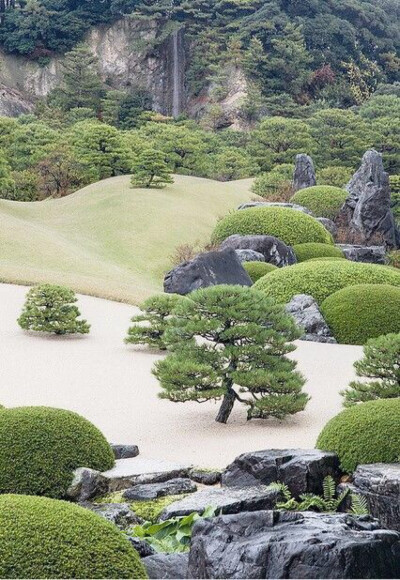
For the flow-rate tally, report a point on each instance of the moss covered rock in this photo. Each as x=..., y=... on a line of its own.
x=257, y=270
x=40, y=447
x=289, y=225
x=365, y=433
x=48, y=538
x=321, y=279
x=314, y=250
x=322, y=200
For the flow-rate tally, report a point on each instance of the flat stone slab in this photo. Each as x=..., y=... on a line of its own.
x=119, y=514
x=224, y=500
x=148, y=491
x=138, y=470
x=124, y=451
x=167, y=565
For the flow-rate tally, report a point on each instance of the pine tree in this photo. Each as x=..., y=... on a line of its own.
x=381, y=362
x=6, y=181
x=229, y=343
x=51, y=308
x=151, y=170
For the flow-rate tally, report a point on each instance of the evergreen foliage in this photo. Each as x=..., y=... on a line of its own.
x=322, y=200
x=150, y=170
x=257, y=270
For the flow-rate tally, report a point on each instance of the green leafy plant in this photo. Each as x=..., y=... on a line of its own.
x=150, y=510
x=51, y=308
x=151, y=170
x=393, y=258
x=322, y=200
x=308, y=251
x=257, y=270
x=381, y=362
x=171, y=535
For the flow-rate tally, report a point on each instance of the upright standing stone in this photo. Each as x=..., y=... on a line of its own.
x=304, y=172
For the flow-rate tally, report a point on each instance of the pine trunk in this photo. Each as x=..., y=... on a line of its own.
x=226, y=407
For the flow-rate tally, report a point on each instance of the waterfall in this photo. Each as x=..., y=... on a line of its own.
x=176, y=75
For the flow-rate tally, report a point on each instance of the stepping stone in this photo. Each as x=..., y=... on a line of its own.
x=124, y=451
x=154, y=490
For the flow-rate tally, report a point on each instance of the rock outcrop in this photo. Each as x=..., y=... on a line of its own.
x=369, y=254
x=249, y=256
x=367, y=211
x=167, y=566
x=86, y=484
x=307, y=314
x=149, y=491
x=208, y=269
x=304, y=172
x=288, y=205
x=274, y=250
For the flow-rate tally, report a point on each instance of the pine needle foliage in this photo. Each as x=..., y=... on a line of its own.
x=229, y=343
x=151, y=170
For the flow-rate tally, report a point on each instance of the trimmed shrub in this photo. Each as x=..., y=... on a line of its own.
x=289, y=225
x=41, y=446
x=326, y=259
x=366, y=433
x=48, y=538
x=358, y=313
x=313, y=250
x=257, y=270
x=321, y=279
x=322, y=200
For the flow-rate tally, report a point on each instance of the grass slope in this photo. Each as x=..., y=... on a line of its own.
x=110, y=240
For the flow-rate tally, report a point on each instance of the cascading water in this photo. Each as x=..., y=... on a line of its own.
x=176, y=75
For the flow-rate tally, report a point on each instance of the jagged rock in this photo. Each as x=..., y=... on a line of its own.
x=154, y=490
x=226, y=501
x=288, y=205
x=142, y=547
x=367, y=210
x=274, y=250
x=13, y=103
x=329, y=225
x=302, y=470
x=86, y=484
x=379, y=483
x=268, y=544
x=370, y=254
x=125, y=451
x=205, y=477
x=249, y=256
x=304, y=172
x=306, y=313
x=317, y=338
x=167, y=565
x=209, y=269
x=119, y=514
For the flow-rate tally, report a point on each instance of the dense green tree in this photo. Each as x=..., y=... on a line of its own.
x=240, y=357
x=151, y=170
x=6, y=181
x=29, y=144
x=230, y=164
x=60, y=172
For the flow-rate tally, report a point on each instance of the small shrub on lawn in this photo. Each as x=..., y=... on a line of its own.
x=322, y=200
x=257, y=270
x=306, y=252
x=366, y=433
x=276, y=185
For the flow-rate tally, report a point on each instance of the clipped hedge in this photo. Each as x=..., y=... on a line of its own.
x=358, y=313
x=326, y=259
x=48, y=538
x=321, y=279
x=366, y=433
x=314, y=250
x=289, y=225
x=322, y=200
x=40, y=447
x=257, y=270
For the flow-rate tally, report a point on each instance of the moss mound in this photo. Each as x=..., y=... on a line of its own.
x=321, y=279
x=364, y=311
x=314, y=250
x=322, y=200
x=366, y=433
x=41, y=446
x=48, y=538
x=257, y=270
x=326, y=259
x=289, y=225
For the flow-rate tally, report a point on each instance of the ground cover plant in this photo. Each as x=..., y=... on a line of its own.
x=246, y=339
x=323, y=200
x=257, y=270
x=380, y=368
x=309, y=251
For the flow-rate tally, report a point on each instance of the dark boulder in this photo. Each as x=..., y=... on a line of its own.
x=307, y=314
x=274, y=250
x=154, y=490
x=167, y=565
x=205, y=477
x=249, y=256
x=302, y=470
x=329, y=225
x=368, y=254
x=86, y=484
x=141, y=546
x=304, y=172
x=209, y=269
x=268, y=544
x=125, y=451
x=119, y=514
x=288, y=205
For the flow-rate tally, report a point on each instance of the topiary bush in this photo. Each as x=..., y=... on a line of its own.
x=314, y=250
x=321, y=279
x=41, y=446
x=365, y=433
x=358, y=313
x=257, y=270
x=289, y=225
x=322, y=200
x=326, y=259
x=48, y=538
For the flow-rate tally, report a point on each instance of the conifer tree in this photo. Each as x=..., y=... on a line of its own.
x=229, y=343
x=151, y=170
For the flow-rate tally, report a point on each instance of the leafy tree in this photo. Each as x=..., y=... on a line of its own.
x=232, y=164
x=51, y=308
x=243, y=342
x=6, y=181
x=276, y=185
x=60, y=172
x=30, y=143
x=150, y=170
x=381, y=362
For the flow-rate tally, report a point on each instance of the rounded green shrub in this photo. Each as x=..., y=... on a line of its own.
x=41, y=446
x=314, y=250
x=357, y=313
x=48, y=538
x=289, y=225
x=326, y=259
x=322, y=200
x=365, y=433
x=257, y=270
x=321, y=279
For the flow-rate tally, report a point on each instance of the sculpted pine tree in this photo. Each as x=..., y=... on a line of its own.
x=51, y=308
x=229, y=343
x=381, y=362
x=151, y=170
